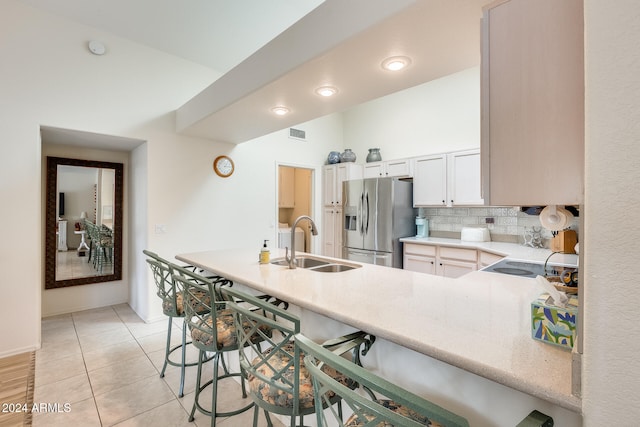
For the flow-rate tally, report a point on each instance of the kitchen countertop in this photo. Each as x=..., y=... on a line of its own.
x=479, y=322
x=510, y=250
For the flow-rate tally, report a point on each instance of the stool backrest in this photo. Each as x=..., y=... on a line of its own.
x=257, y=322
x=203, y=306
x=369, y=412
x=166, y=288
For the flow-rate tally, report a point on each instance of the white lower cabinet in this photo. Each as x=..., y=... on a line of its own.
x=487, y=258
x=420, y=258
x=332, y=232
x=440, y=260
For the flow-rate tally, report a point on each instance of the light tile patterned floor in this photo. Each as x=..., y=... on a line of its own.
x=105, y=364
x=71, y=266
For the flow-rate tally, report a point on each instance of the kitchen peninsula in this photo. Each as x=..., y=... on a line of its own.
x=479, y=323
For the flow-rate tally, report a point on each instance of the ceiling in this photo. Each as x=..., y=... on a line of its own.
x=282, y=50
x=197, y=30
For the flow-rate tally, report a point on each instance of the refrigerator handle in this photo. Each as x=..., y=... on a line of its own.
x=366, y=227
x=359, y=217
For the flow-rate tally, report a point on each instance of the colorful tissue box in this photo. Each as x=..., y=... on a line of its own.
x=552, y=324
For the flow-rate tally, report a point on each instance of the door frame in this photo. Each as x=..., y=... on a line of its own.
x=315, y=246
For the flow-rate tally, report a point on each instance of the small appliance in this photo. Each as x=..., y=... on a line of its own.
x=422, y=227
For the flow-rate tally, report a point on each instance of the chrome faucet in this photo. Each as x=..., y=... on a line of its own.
x=291, y=260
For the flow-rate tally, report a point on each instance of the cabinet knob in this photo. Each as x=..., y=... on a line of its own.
x=444, y=202
x=451, y=200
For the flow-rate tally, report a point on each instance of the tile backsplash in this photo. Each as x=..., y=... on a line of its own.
x=509, y=224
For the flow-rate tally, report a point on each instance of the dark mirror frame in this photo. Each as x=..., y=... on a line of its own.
x=50, y=223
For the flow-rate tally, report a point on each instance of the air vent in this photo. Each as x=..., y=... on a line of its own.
x=297, y=134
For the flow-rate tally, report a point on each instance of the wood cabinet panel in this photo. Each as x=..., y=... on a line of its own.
x=533, y=102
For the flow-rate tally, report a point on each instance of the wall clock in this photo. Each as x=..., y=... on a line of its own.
x=223, y=166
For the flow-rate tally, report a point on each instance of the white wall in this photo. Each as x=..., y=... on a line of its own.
x=49, y=78
x=438, y=116
x=611, y=365
x=198, y=210
x=76, y=298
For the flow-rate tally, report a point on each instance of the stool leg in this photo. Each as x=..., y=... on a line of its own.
x=214, y=390
x=197, y=394
x=167, y=348
x=184, y=358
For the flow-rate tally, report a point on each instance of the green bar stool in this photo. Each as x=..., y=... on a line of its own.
x=399, y=408
x=213, y=330
x=171, y=295
x=278, y=380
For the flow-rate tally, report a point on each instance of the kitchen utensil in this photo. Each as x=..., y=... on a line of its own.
x=555, y=218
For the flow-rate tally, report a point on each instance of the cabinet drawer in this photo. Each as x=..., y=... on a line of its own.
x=416, y=249
x=461, y=254
x=488, y=258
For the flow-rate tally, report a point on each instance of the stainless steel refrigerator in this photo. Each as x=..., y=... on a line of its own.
x=377, y=213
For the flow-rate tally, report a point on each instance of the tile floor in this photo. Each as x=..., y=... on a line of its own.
x=71, y=266
x=105, y=364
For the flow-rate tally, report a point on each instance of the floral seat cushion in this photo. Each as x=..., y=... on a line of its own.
x=226, y=329
x=277, y=397
x=174, y=306
x=355, y=421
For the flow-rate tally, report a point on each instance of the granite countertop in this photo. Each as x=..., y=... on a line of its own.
x=479, y=322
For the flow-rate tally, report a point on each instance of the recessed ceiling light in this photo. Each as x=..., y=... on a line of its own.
x=326, y=91
x=280, y=110
x=396, y=63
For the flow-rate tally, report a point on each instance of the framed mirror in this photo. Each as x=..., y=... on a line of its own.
x=83, y=222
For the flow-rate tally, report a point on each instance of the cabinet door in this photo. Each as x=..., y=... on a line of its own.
x=464, y=179
x=286, y=187
x=454, y=269
x=328, y=231
x=329, y=176
x=533, y=102
x=332, y=232
x=337, y=230
x=400, y=168
x=488, y=258
x=421, y=264
x=373, y=170
x=430, y=181
x=345, y=172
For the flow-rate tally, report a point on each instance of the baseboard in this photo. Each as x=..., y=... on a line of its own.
x=15, y=351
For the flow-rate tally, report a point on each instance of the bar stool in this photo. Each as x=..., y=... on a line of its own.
x=399, y=408
x=278, y=380
x=213, y=330
x=172, y=306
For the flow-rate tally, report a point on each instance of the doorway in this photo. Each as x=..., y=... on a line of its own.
x=295, y=198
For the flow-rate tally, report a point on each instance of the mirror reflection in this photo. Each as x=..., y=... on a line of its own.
x=84, y=222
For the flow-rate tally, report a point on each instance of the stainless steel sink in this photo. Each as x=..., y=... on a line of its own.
x=333, y=268
x=302, y=262
x=316, y=264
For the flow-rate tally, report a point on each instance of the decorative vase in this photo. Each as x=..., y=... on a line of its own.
x=348, y=156
x=333, y=158
x=374, y=155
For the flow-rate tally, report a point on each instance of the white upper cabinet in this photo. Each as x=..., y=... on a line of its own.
x=430, y=181
x=448, y=179
x=333, y=176
x=465, y=179
x=402, y=168
x=533, y=102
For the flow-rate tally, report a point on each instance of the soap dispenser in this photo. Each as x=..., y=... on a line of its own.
x=264, y=253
